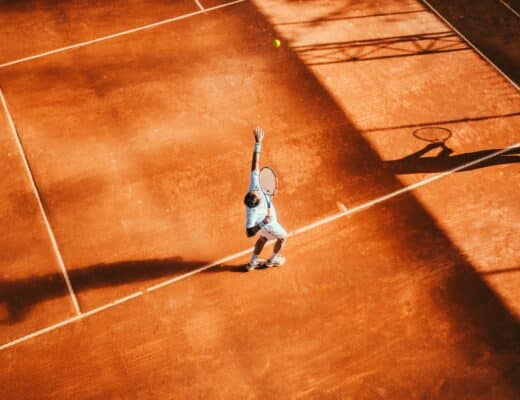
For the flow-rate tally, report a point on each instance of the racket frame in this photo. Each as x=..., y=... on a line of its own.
x=275, y=181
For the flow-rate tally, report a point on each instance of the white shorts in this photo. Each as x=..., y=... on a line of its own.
x=273, y=230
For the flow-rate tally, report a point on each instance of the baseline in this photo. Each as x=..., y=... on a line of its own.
x=242, y=253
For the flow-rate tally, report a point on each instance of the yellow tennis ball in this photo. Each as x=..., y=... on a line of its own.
x=277, y=43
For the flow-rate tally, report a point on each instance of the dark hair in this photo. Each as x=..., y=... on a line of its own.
x=251, y=200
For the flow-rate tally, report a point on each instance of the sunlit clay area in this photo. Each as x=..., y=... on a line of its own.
x=260, y=199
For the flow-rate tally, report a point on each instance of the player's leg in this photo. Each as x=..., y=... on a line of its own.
x=276, y=258
x=259, y=246
x=277, y=232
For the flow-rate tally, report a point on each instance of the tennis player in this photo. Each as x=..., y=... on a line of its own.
x=261, y=214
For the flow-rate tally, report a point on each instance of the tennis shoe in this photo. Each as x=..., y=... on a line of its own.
x=278, y=261
x=251, y=266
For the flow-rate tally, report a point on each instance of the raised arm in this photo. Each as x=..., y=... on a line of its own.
x=259, y=136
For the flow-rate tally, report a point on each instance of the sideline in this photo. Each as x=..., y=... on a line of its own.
x=242, y=253
x=36, y=192
x=439, y=15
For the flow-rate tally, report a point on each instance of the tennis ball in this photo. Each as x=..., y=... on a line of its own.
x=277, y=43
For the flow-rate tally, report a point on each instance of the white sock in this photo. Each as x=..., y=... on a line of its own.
x=273, y=256
x=253, y=258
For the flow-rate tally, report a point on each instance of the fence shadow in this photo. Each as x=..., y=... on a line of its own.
x=331, y=18
x=380, y=48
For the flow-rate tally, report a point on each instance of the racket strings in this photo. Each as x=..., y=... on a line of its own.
x=268, y=181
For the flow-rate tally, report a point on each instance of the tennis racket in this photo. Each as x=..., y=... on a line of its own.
x=432, y=134
x=269, y=184
x=268, y=181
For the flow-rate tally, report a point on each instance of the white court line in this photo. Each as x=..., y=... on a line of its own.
x=341, y=206
x=471, y=44
x=40, y=204
x=199, y=5
x=505, y=4
x=115, y=35
x=234, y=256
x=401, y=191
x=69, y=321
x=196, y=271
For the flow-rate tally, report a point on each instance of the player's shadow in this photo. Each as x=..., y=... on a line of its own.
x=228, y=268
x=236, y=268
x=445, y=160
x=17, y=297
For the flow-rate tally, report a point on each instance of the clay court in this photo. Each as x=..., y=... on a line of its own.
x=126, y=138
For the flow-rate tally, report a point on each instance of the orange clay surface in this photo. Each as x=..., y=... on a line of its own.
x=141, y=148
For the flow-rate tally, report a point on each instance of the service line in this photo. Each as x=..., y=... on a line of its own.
x=119, y=34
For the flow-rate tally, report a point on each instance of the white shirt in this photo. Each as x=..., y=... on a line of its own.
x=257, y=214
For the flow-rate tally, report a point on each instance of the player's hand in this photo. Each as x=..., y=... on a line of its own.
x=259, y=134
x=267, y=220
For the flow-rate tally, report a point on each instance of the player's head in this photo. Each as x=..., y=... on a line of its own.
x=252, y=199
